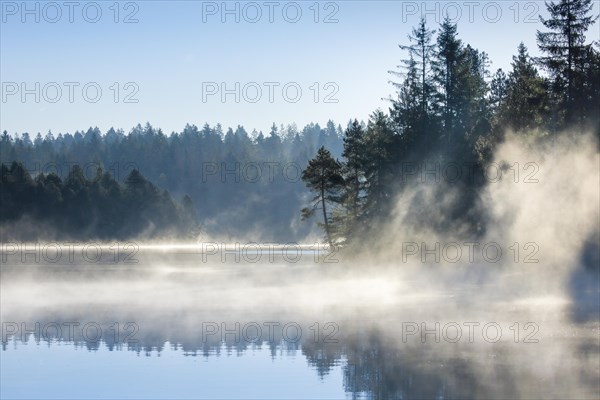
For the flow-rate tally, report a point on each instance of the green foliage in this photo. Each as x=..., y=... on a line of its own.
x=250, y=181
x=568, y=58
x=413, y=112
x=381, y=149
x=524, y=106
x=99, y=208
x=323, y=176
x=350, y=219
x=448, y=108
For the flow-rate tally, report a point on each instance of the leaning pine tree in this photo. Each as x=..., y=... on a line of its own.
x=323, y=176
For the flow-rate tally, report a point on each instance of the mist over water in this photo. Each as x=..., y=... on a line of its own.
x=300, y=200
x=392, y=320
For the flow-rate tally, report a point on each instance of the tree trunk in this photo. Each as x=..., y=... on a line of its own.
x=325, y=215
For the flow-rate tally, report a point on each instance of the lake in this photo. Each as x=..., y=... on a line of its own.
x=173, y=324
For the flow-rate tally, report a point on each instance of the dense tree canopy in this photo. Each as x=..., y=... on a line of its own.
x=100, y=208
x=448, y=108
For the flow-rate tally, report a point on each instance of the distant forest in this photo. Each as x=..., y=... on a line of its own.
x=239, y=183
x=448, y=108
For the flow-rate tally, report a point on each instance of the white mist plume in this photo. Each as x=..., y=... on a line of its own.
x=559, y=212
x=548, y=202
x=169, y=298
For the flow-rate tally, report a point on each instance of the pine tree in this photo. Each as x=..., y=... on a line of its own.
x=416, y=92
x=449, y=57
x=5, y=147
x=351, y=219
x=323, y=176
x=498, y=89
x=565, y=50
x=472, y=88
x=524, y=106
x=410, y=120
x=590, y=90
x=380, y=149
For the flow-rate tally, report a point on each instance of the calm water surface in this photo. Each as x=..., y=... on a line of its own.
x=169, y=327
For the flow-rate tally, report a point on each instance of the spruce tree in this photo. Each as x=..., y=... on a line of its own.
x=524, y=106
x=409, y=119
x=449, y=57
x=565, y=53
x=412, y=110
x=351, y=219
x=380, y=150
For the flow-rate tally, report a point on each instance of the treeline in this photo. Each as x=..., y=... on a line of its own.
x=450, y=109
x=241, y=183
x=89, y=209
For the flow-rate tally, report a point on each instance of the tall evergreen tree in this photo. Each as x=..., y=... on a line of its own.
x=449, y=57
x=412, y=110
x=590, y=89
x=565, y=53
x=380, y=149
x=410, y=120
x=471, y=109
x=498, y=89
x=351, y=219
x=524, y=106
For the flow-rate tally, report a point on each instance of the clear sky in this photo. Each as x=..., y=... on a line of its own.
x=175, y=59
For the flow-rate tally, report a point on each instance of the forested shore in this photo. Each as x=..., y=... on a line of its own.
x=448, y=109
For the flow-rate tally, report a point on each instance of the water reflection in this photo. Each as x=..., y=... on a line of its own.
x=373, y=336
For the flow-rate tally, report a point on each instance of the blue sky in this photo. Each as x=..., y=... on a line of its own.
x=178, y=51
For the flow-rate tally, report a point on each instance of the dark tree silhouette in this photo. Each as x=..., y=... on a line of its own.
x=323, y=176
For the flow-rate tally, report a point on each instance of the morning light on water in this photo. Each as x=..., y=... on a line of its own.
x=300, y=200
